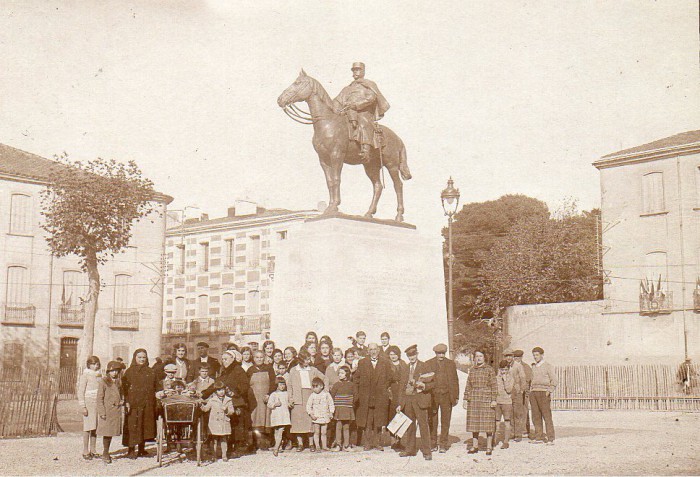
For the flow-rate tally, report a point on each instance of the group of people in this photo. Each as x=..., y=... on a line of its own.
x=319, y=397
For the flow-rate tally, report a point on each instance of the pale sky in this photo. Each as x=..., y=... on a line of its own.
x=506, y=97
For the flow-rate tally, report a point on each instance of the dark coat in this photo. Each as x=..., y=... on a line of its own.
x=450, y=369
x=214, y=367
x=424, y=398
x=372, y=391
x=109, y=401
x=139, y=388
x=396, y=385
x=236, y=380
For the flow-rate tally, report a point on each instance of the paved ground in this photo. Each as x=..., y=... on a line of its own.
x=588, y=442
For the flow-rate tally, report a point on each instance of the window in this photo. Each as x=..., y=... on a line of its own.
x=202, y=306
x=227, y=304
x=653, y=193
x=205, y=256
x=180, y=308
x=229, y=253
x=282, y=235
x=12, y=361
x=17, y=292
x=254, y=251
x=121, y=351
x=20, y=214
x=181, y=258
x=122, y=292
x=74, y=288
x=656, y=269
x=253, y=301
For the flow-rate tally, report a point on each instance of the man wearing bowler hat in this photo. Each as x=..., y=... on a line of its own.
x=445, y=396
x=364, y=104
x=416, y=384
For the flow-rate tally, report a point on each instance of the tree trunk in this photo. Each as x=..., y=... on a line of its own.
x=87, y=340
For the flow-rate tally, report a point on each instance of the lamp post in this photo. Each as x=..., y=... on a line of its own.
x=450, y=202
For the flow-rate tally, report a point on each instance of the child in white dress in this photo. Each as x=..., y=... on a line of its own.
x=320, y=407
x=280, y=419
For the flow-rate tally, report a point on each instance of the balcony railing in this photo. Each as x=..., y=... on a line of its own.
x=18, y=314
x=250, y=324
x=71, y=316
x=658, y=303
x=226, y=324
x=125, y=318
x=176, y=327
x=696, y=300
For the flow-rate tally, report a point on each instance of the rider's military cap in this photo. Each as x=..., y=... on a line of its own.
x=358, y=65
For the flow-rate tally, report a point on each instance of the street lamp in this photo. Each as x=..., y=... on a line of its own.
x=450, y=202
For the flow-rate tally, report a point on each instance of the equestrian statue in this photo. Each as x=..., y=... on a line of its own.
x=346, y=132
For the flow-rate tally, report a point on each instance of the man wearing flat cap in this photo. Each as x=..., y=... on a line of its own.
x=521, y=425
x=520, y=384
x=445, y=396
x=415, y=400
x=364, y=104
x=203, y=353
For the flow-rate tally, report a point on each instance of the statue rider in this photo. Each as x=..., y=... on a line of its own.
x=364, y=105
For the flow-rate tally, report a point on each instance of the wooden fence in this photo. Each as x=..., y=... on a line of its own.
x=653, y=387
x=28, y=403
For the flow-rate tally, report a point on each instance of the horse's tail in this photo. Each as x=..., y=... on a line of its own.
x=403, y=163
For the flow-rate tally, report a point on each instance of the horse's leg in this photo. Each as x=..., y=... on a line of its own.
x=373, y=172
x=398, y=187
x=332, y=206
x=336, y=167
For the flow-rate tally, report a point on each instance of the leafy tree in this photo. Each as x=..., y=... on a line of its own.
x=475, y=229
x=89, y=209
x=542, y=260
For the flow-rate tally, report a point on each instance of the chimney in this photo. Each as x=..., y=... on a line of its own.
x=231, y=212
x=245, y=207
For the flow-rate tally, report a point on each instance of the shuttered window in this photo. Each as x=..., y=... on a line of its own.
x=122, y=292
x=17, y=292
x=653, y=193
x=20, y=214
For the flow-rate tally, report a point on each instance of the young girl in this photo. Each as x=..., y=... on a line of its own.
x=344, y=414
x=109, y=404
x=247, y=356
x=87, y=400
x=220, y=407
x=321, y=408
x=279, y=417
x=332, y=369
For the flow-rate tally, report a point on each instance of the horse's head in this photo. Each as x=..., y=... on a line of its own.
x=300, y=90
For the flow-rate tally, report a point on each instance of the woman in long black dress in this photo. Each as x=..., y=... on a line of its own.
x=139, y=388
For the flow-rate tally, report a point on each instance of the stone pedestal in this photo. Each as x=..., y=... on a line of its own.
x=338, y=275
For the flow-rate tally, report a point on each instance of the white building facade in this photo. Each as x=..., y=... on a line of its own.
x=220, y=276
x=41, y=317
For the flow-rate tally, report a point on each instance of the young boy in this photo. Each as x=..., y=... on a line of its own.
x=202, y=382
x=165, y=387
x=504, y=401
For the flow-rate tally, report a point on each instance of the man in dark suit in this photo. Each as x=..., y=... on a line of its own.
x=372, y=381
x=203, y=352
x=445, y=396
x=415, y=401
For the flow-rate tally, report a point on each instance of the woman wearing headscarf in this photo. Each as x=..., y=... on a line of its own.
x=139, y=388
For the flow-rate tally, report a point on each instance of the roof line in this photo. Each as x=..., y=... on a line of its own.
x=649, y=155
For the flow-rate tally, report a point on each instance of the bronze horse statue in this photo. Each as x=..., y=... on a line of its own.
x=334, y=147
